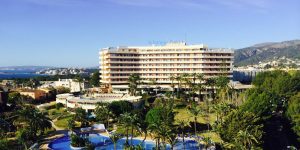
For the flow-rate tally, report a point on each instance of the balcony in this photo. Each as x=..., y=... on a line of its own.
x=183, y=62
x=183, y=57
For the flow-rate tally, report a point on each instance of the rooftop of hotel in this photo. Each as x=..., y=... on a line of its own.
x=167, y=46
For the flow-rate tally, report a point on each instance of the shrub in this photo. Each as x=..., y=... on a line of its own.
x=53, y=113
x=77, y=141
x=240, y=121
x=50, y=107
x=59, y=105
x=293, y=113
x=4, y=144
x=120, y=107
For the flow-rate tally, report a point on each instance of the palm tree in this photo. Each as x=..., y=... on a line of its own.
x=185, y=78
x=192, y=84
x=30, y=121
x=153, y=127
x=134, y=81
x=71, y=125
x=207, y=110
x=80, y=80
x=81, y=116
x=207, y=142
x=33, y=119
x=218, y=109
x=189, y=87
x=143, y=128
x=221, y=110
x=178, y=78
x=195, y=111
x=114, y=138
x=163, y=132
x=200, y=87
x=43, y=122
x=211, y=83
x=126, y=121
x=4, y=127
x=245, y=139
x=167, y=134
x=25, y=136
x=139, y=147
x=182, y=124
x=153, y=82
x=172, y=78
x=194, y=77
x=133, y=124
x=159, y=129
x=103, y=113
x=222, y=84
x=172, y=139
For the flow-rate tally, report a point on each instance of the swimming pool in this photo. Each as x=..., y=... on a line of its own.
x=104, y=143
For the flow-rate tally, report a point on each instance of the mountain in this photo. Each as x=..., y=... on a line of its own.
x=24, y=68
x=267, y=52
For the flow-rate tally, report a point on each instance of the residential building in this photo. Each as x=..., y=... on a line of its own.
x=49, y=92
x=34, y=94
x=73, y=85
x=89, y=103
x=159, y=63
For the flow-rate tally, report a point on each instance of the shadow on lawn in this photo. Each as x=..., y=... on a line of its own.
x=190, y=129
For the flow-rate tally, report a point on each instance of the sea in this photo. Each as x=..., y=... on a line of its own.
x=10, y=74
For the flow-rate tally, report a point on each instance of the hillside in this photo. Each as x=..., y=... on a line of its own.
x=24, y=68
x=266, y=52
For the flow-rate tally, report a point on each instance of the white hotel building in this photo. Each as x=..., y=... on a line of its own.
x=159, y=63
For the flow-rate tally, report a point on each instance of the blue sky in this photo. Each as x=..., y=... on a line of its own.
x=71, y=32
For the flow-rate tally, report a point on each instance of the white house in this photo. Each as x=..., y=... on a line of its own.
x=73, y=85
x=90, y=103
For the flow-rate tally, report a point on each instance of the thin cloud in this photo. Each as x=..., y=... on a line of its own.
x=147, y=3
x=161, y=3
x=258, y=5
x=254, y=5
x=56, y=2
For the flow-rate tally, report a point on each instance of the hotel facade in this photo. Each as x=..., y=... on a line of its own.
x=159, y=63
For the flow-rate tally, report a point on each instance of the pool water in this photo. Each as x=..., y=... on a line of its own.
x=104, y=143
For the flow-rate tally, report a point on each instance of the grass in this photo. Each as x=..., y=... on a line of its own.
x=214, y=136
x=54, y=113
x=62, y=122
x=122, y=130
x=184, y=114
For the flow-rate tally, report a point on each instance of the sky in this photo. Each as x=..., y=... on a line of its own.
x=70, y=33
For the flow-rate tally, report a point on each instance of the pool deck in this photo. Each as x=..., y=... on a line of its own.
x=46, y=141
x=61, y=133
x=148, y=138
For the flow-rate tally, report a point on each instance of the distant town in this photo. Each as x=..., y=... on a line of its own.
x=63, y=71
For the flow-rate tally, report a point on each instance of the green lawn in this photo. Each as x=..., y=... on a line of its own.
x=122, y=130
x=214, y=136
x=54, y=113
x=184, y=114
x=62, y=122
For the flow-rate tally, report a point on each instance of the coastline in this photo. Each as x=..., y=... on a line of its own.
x=22, y=75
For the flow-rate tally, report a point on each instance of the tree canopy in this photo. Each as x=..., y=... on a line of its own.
x=120, y=107
x=95, y=79
x=293, y=113
x=240, y=121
